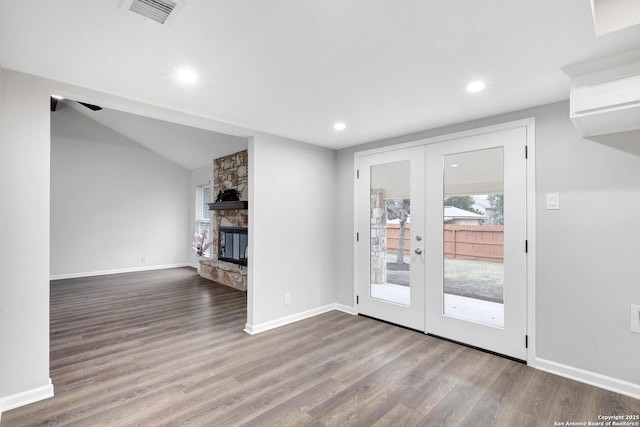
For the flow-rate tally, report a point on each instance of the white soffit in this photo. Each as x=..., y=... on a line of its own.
x=614, y=15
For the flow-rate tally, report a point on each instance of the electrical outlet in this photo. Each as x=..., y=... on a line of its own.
x=635, y=318
x=287, y=299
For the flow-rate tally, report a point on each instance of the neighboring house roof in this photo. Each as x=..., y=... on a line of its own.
x=451, y=213
x=481, y=203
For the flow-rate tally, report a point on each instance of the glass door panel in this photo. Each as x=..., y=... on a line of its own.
x=473, y=230
x=390, y=232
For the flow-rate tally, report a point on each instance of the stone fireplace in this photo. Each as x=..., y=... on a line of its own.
x=228, y=262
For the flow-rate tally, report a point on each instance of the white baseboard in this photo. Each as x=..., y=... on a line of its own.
x=26, y=397
x=116, y=271
x=345, y=309
x=591, y=378
x=256, y=329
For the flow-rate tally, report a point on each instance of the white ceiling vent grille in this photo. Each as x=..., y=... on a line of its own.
x=156, y=10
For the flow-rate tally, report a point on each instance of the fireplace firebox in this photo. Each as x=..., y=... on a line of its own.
x=232, y=245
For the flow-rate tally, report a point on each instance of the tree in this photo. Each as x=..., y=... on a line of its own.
x=399, y=209
x=497, y=209
x=462, y=202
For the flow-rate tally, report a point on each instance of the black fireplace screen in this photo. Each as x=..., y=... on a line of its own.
x=232, y=245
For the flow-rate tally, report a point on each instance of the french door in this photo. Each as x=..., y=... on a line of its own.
x=390, y=237
x=442, y=239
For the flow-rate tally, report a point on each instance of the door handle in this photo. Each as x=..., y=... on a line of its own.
x=418, y=251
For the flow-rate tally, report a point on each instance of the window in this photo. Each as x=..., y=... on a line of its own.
x=202, y=236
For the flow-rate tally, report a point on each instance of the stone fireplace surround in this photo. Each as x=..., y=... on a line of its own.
x=228, y=172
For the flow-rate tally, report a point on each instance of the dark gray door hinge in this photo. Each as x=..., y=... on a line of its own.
x=358, y=174
x=526, y=151
x=357, y=299
x=526, y=341
x=526, y=246
x=357, y=237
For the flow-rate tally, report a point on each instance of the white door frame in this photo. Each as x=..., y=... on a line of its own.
x=529, y=125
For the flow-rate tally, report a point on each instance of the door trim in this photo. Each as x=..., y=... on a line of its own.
x=529, y=125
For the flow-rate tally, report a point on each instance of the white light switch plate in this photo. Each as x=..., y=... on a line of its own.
x=635, y=318
x=553, y=200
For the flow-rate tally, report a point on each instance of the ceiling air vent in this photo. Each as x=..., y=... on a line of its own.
x=156, y=10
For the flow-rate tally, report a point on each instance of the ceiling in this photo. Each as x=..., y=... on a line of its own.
x=189, y=147
x=293, y=68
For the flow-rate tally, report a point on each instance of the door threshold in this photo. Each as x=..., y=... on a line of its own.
x=484, y=350
x=391, y=323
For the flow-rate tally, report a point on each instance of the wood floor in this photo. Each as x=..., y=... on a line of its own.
x=167, y=348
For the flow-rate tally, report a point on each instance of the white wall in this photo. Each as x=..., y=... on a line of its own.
x=345, y=237
x=586, y=252
x=24, y=239
x=292, y=221
x=115, y=205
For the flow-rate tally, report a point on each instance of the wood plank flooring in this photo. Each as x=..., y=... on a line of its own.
x=167, y=348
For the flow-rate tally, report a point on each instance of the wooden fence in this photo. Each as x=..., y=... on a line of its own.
x=476, y=242
x=393, y=236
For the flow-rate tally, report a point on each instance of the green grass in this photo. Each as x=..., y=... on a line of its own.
x=491, y=273
x=469, y=278
x=474, y=279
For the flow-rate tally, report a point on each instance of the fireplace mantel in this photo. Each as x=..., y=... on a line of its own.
x=219, y=206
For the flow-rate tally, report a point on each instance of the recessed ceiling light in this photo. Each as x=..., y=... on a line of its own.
x=475, y=86
x=186, y=76
x=339, y=126
x=58, y=97
x=454, y=165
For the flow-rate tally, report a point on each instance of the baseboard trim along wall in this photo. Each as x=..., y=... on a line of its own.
x=26, y=397
x=345, y=309
x=591, y=378
x=261, y=327
x=117, y=271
